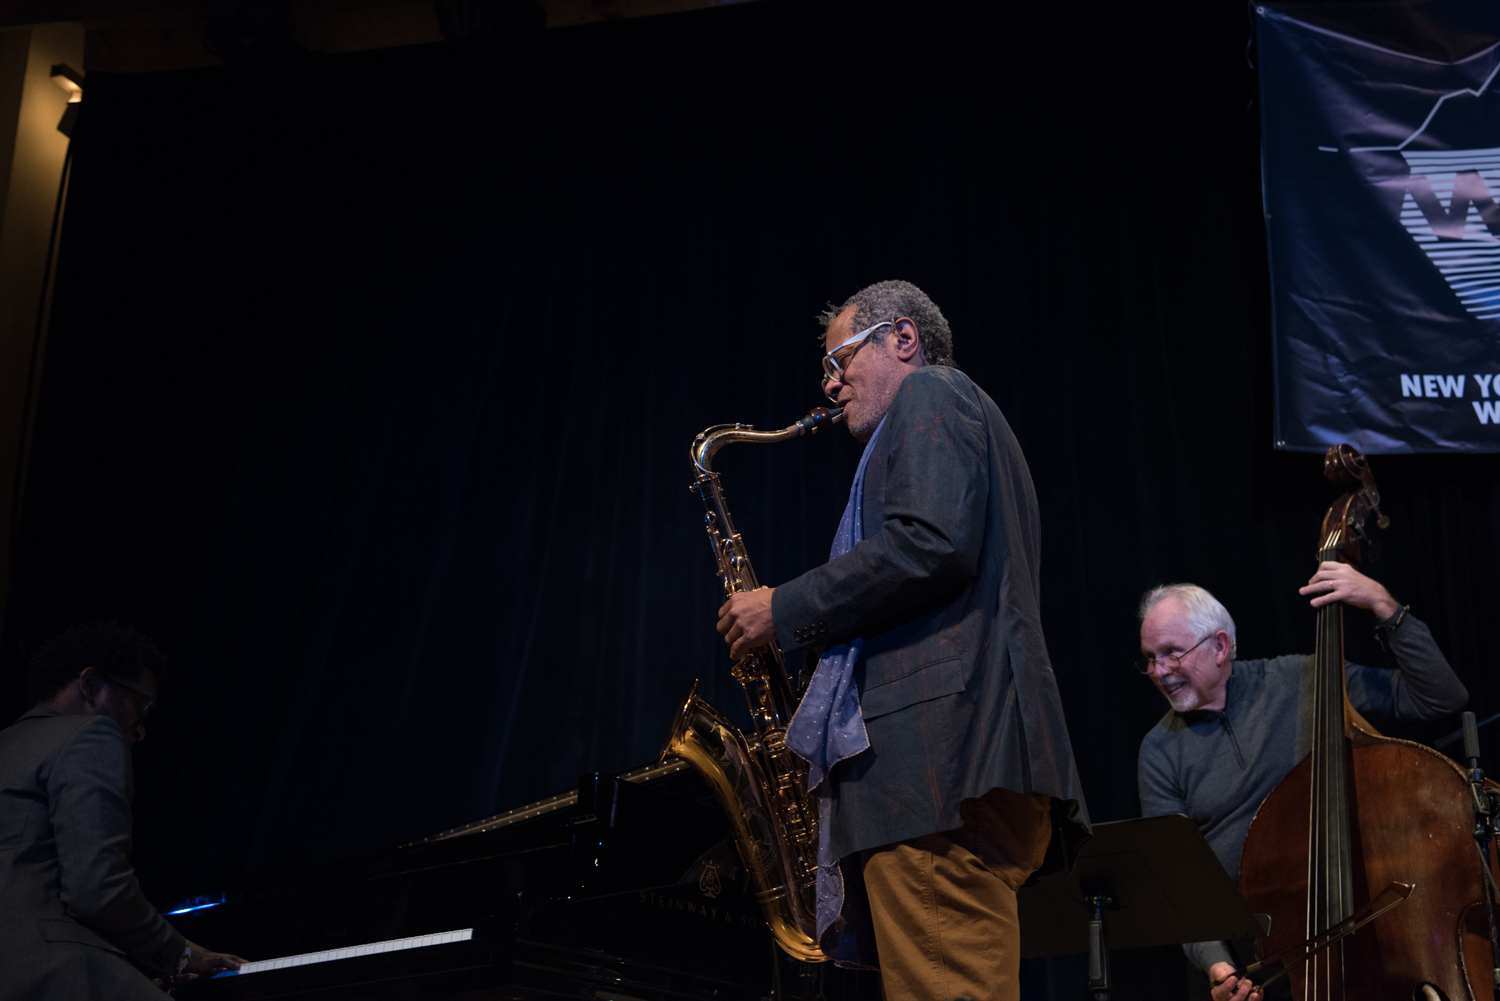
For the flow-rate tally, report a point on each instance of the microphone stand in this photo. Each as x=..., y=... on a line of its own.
x=1486, y=808
x=1099, y=901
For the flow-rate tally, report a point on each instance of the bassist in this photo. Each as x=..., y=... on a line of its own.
x=1236, y=728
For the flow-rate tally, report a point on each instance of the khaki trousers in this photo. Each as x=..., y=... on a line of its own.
x=944, y=905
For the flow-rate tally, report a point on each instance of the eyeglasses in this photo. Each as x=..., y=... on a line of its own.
x=832, y=370
x=143, y=700
x=1145, y=664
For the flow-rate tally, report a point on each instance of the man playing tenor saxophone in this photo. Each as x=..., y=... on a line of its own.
x=932, y=726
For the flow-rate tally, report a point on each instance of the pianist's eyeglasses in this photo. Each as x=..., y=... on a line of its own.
x=1172, y=660
x=143, y=699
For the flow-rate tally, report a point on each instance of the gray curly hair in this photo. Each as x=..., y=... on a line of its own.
x=888, y=300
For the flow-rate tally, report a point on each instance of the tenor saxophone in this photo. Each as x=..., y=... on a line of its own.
x=757, y=779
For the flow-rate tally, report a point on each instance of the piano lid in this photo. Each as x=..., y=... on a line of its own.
x=647, y=773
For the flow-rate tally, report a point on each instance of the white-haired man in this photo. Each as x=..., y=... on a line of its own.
x=1233, y=731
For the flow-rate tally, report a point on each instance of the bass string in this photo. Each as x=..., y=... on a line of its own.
x=1314, y=838
x=1344, y=855
x=1342, y=905
x=1327, y=898
x=1314, y=825
x=1329, y=807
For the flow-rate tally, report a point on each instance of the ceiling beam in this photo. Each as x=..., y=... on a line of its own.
x=140, y=36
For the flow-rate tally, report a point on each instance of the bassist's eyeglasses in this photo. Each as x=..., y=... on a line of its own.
x=1172, y=660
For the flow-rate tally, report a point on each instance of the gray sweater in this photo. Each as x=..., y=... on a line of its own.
x=1217, y=767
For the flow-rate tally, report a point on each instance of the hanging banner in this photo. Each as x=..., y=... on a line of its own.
x=1381, y=174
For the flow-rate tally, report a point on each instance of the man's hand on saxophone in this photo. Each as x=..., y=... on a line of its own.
x=745, y=621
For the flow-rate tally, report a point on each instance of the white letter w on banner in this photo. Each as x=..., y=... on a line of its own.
x=1468, y=189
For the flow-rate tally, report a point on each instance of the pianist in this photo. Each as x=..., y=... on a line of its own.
x=73, y=922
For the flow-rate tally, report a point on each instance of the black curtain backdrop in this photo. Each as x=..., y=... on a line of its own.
x=371, y=381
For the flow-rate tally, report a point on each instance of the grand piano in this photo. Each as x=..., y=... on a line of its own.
x=627, y=888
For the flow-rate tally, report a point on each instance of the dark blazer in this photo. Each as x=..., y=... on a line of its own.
x=70, y=908
x=955, y=684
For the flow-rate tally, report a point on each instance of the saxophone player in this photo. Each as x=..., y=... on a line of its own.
x=932, y=726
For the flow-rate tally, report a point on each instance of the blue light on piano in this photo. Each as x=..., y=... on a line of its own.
x=198, y=907
x=198, y=904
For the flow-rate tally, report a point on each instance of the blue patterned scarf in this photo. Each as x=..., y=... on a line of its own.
x=827, y=727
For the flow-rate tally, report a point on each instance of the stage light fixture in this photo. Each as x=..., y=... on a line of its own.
x=69, y=80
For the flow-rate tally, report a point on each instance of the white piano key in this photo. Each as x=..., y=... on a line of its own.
x=351, y=952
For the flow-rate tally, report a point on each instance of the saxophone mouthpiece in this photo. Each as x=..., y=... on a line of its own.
x=820, y=418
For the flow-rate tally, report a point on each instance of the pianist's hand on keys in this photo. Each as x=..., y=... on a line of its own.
x=206, y=962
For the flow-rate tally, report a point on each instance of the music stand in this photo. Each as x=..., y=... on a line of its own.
x=1135, y=883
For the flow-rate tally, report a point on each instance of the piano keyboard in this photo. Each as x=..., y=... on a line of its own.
x=353, y=951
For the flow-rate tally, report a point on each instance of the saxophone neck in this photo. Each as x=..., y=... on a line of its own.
x=707, y=444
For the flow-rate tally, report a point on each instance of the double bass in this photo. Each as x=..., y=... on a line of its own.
x=1367, y=824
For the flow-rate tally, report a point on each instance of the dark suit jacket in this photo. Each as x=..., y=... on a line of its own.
x=955, y=684
x=70, y=908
